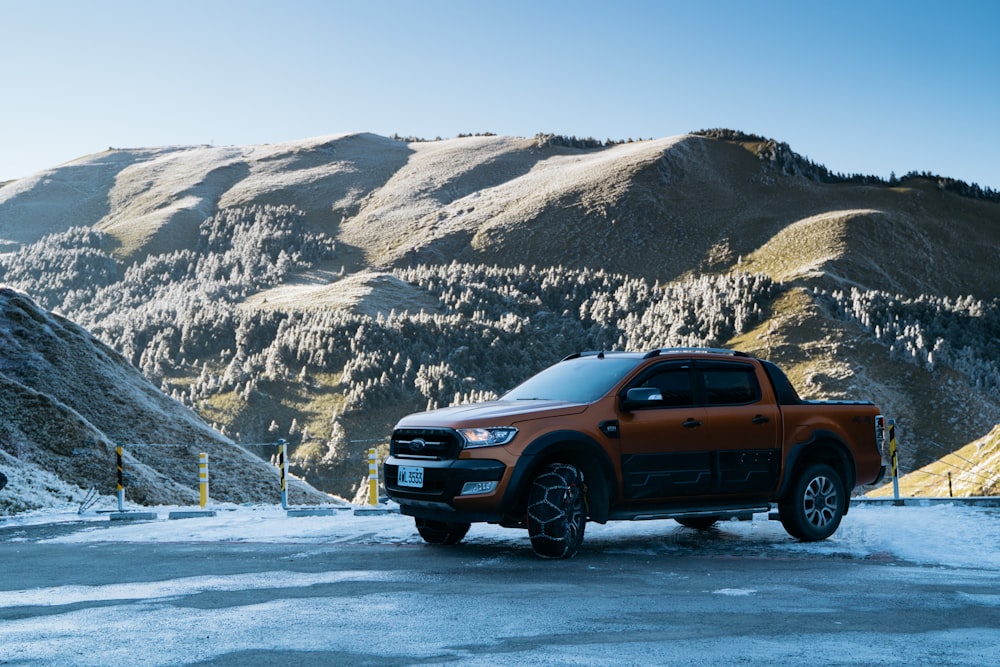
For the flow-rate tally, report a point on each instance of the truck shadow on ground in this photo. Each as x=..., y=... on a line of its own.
x=743, y=540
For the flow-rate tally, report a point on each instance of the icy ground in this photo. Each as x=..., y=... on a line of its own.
x=945, y=535
x=945, y=547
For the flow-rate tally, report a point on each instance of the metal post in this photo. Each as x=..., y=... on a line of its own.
x=895, y=462
x=203, y=478
x=373, y=476
x=283, y=472
x=121, y=479
x=951, y=494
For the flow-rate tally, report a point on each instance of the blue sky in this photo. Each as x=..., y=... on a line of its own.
x=871, y=86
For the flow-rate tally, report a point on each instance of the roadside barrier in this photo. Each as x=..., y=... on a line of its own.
x=203, y=479
x=373, y=506
x=121, y=514
x=373, y=476
x=121, y=478
x=921, y=501
x=281, y=462
x=893, y=459
x=283, y=473
x=970, y=469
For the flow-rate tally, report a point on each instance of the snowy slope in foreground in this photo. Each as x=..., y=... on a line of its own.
x=944, y=535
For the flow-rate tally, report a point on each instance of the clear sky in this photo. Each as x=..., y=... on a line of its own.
x=869, y=86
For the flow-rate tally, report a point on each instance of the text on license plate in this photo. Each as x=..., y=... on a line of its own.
x=411, y=477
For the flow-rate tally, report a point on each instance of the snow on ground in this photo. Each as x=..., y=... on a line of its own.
x=942, y=535
x=952, y=551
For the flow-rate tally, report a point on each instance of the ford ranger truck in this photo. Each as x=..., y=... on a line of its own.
x=691, y=434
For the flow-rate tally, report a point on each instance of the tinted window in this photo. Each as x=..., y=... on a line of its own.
x=736, y=385
x=674, y=385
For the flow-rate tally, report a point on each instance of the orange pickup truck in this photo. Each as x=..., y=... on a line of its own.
x=692, y=434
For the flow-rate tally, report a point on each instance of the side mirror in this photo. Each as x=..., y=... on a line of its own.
x=639, y=397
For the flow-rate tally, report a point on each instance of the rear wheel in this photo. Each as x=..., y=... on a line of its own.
x=698, y=522
x=440, y=532
x=815, y=505
x=557, y=511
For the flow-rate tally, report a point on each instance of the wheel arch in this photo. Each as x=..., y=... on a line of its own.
x=822, y=447
x=572, y=447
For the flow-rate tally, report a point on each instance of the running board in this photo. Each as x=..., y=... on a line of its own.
x=741, y=512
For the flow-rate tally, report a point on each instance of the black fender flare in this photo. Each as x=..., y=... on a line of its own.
x=824, y=446
x=565, y=446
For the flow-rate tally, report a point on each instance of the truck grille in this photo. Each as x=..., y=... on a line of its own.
x=425, y=443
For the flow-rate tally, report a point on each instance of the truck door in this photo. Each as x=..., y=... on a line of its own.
x=662, y=441
x=742, y=427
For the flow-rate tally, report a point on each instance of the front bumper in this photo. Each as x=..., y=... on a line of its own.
x=442, y=485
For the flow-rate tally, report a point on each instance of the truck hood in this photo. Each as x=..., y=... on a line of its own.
x=493, y=413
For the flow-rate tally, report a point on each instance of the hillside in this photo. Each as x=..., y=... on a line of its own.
x=318, y=290
x=973, y=470
x=66, y=401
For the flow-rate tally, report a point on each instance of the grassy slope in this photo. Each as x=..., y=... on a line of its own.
x=973, y=470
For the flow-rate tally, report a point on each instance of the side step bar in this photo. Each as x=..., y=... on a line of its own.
x=742, y=512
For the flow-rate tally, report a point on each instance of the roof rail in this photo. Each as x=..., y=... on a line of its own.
x=695, y=350
x=586, y=353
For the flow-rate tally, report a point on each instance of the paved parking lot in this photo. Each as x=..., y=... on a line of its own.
x=319, y=592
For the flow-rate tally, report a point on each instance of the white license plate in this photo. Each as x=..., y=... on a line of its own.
x=411, y=477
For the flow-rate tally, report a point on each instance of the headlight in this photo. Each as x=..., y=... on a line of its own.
x=487, y=437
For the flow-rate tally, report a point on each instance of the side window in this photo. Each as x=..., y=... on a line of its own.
x=674, y=385
x=735, y=385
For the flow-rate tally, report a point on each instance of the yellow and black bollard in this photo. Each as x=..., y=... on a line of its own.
x=373, y=476
x=283, y=472
x=893, y=459
x=121, y=478
x=203, y=478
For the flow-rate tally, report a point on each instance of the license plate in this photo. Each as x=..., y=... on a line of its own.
x=411, y=477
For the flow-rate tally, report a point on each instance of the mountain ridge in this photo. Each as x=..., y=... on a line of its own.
x=154, y=198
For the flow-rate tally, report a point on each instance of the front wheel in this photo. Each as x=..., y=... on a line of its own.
x=815, y=505
x=557, y=511
x=440, y=532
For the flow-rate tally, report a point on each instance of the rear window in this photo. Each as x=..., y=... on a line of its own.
x=734, y=385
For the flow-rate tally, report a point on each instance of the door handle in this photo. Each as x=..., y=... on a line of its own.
x=760, y=419
x=691, y=423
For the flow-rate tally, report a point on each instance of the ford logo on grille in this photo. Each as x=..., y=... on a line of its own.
x=417, y=444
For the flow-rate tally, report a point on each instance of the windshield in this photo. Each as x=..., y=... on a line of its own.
x=580, y=380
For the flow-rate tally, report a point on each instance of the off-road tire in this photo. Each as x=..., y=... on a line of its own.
x=815, y=504
x=440, y=532
x=557, y=511
x=698, y=522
